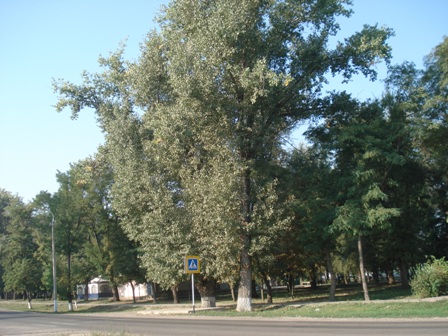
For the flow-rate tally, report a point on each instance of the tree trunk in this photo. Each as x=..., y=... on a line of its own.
x=390, y=276
x=69, y=282
x=290, y=285
x=313, y=280
x=154, y=292
x=232, y=292
x=268, y=287
x=404, y=274
x=244, y=302
x=28, y=295
x=206, y=289
x=70, y=301
x=254, y=290
x=75, y=300
x=133, y=290
x=332, y=277
x=376, y=276
x=175, y=294
x=115, y=293
x=86, y=291
x=362, y=270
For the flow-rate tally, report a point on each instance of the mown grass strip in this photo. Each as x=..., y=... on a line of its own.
x=306, y=303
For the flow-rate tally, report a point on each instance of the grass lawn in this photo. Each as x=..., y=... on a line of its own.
x=387, y=301
x=421, y=309
x=103, y=306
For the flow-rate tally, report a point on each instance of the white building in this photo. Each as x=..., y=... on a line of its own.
x=99, y=288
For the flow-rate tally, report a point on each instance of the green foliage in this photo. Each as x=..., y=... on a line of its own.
x=94, y=242
x=22, y=271
x=194, y=128
x=194, y=164
x=5, y=199
x=431, y=278
x=23, y=276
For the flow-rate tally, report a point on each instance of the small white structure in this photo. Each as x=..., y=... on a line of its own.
x=99, y=288
x=142, y=291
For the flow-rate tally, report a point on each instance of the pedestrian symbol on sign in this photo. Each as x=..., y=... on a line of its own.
x=192, y=265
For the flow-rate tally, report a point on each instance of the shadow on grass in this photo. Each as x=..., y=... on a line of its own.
x=116, y=308
x=109, y=306
x=266, y=308
x=352, y=292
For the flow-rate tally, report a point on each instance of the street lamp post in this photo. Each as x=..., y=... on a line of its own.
x=53, y=254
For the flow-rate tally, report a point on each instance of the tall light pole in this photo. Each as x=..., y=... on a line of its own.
x=53, y=254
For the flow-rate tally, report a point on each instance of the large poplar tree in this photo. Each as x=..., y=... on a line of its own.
x=219, y=87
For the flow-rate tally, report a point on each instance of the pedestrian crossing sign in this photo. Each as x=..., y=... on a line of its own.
x=192, y=264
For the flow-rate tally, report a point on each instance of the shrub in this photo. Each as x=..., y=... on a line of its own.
x=431, y=279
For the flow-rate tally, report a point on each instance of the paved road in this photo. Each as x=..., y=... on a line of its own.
x=25, y=323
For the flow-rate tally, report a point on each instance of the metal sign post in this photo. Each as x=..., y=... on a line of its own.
x=192, y=265
x=192, y=291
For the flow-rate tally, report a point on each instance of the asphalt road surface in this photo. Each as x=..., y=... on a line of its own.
x=28, y=323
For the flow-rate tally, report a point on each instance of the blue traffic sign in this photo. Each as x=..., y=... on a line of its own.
x=192, y=264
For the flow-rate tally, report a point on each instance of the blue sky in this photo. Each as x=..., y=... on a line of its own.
x=45, y=39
